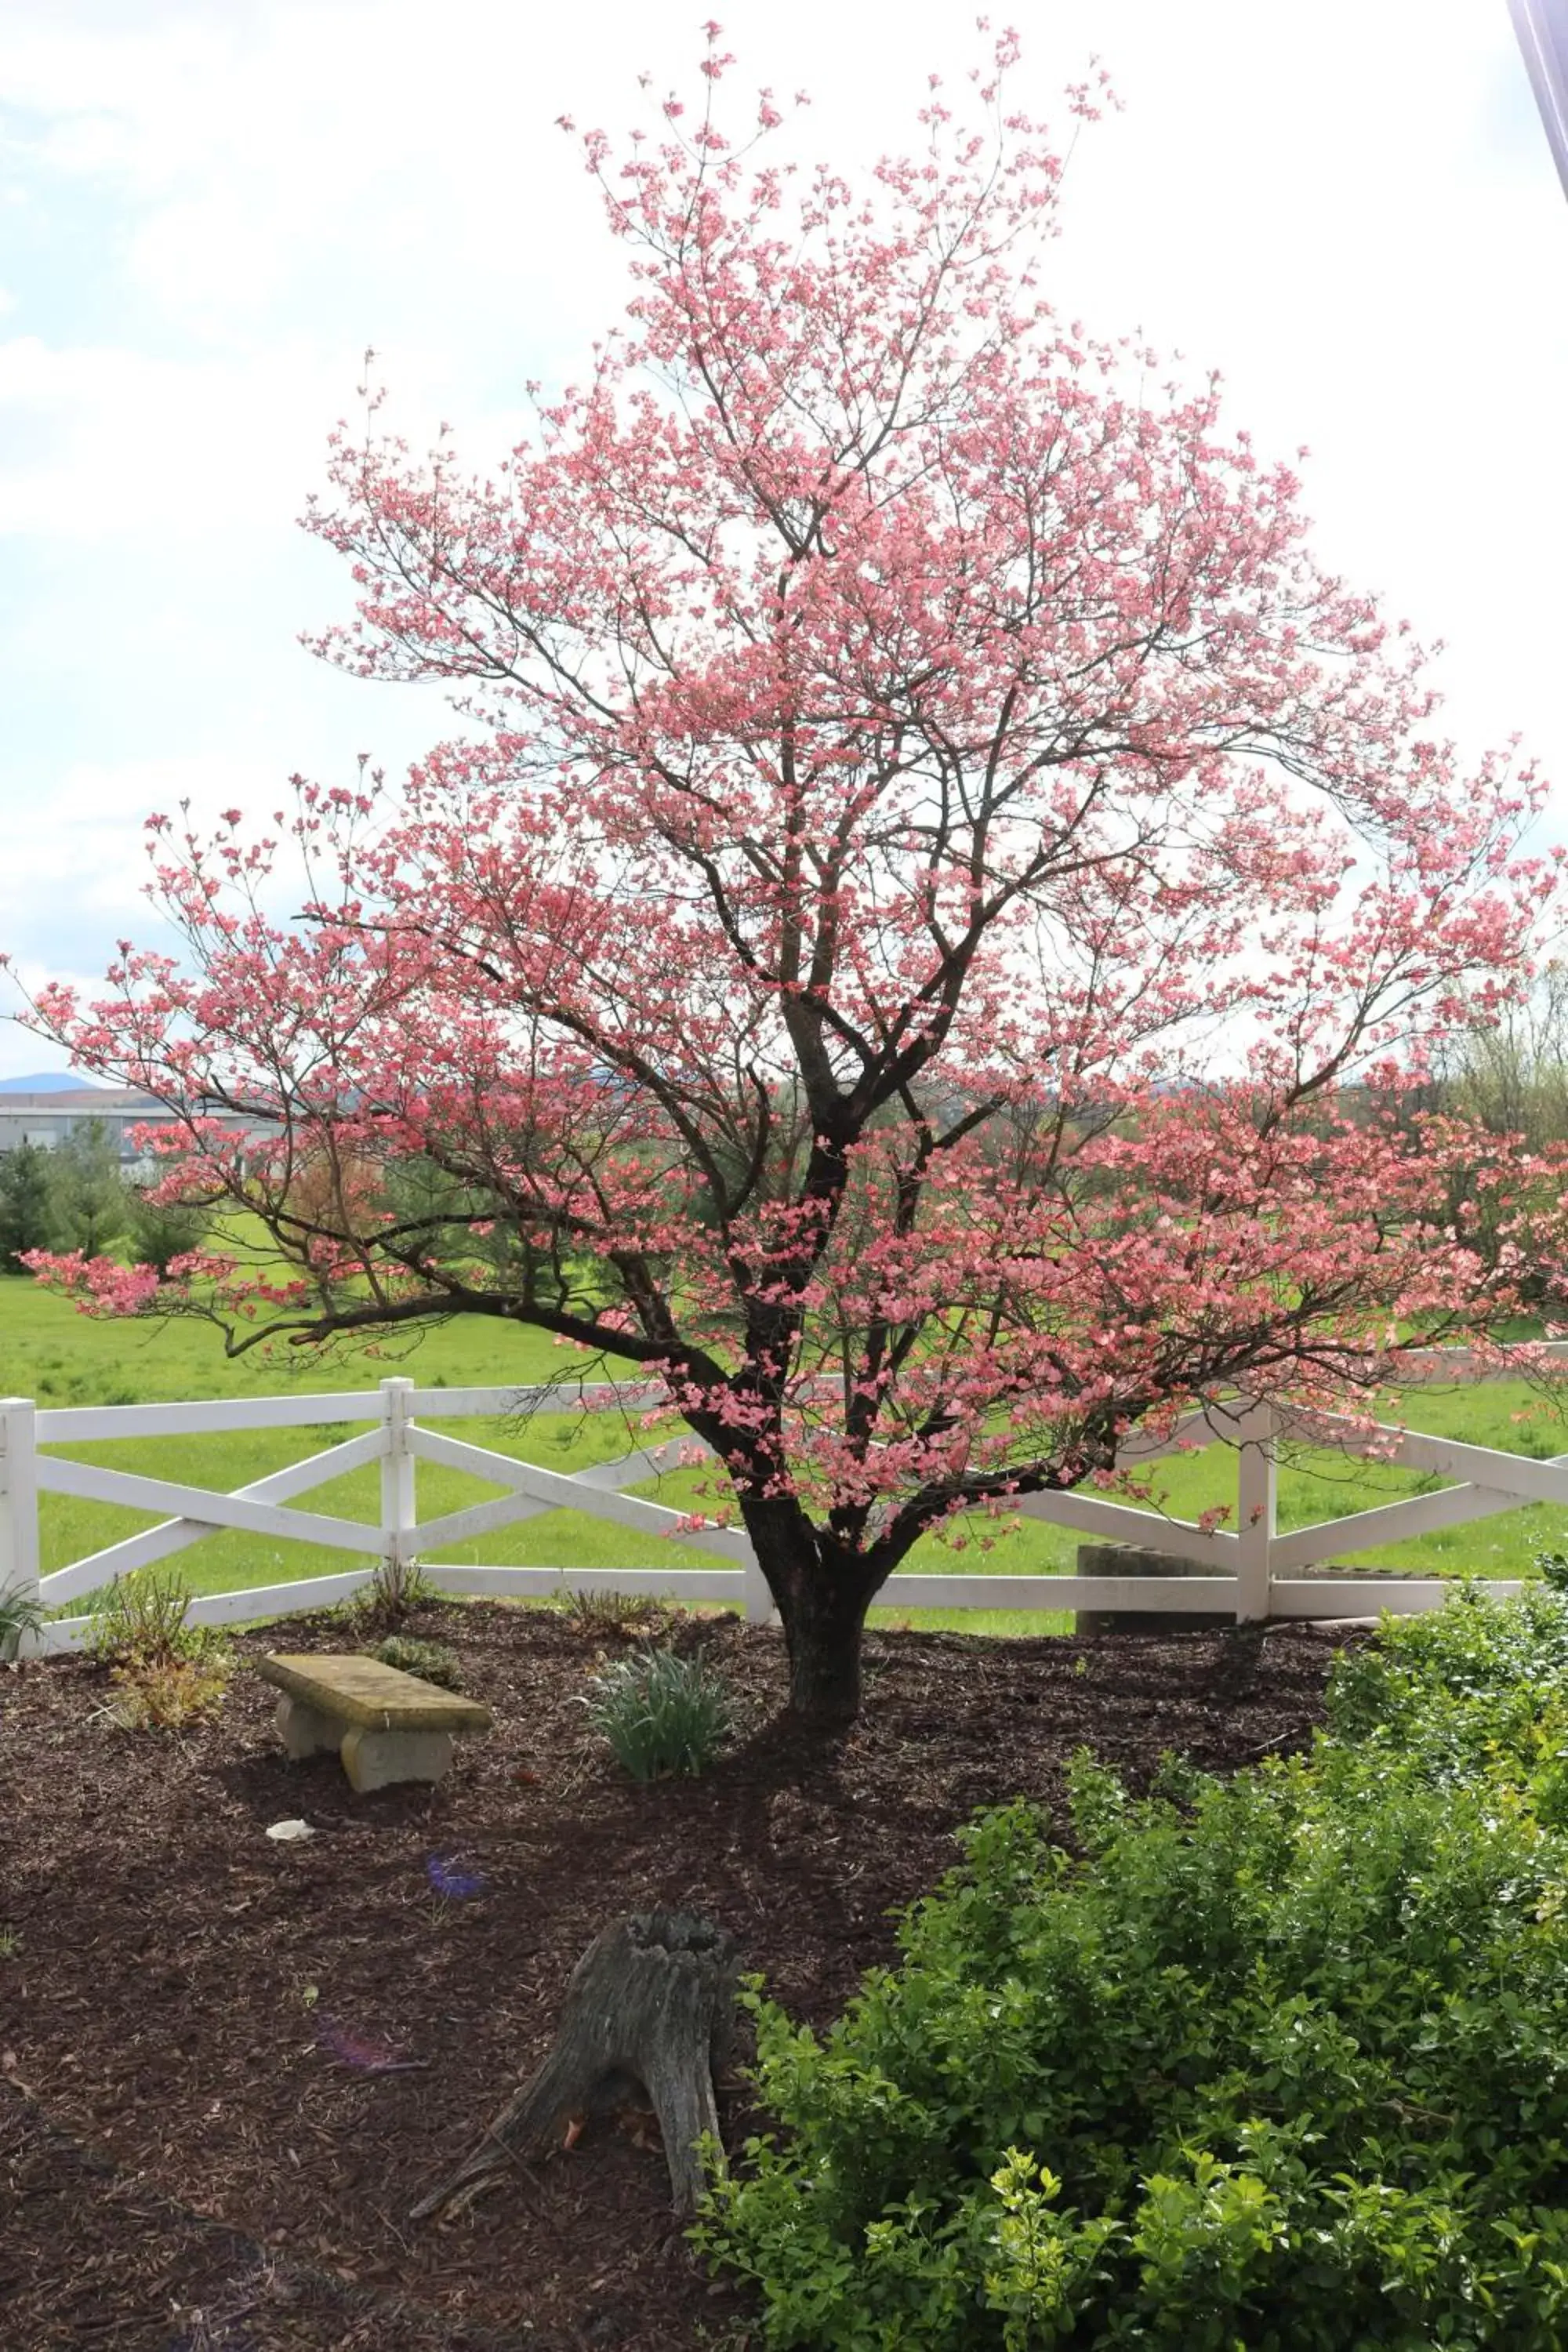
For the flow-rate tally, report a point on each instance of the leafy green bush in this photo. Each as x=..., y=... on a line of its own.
x=431, y=1660
x=1277, y=2064
x=660, y=1713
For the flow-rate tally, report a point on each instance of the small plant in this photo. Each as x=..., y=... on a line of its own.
x=661, y=1714
x=140, y=1621
x=168, y=1694
x=10, y=1942
x=20, y=1613
x=600, y=1611
x=394, y=1592
x=431, y=1660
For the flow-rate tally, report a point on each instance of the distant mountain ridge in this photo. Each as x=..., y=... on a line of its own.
x=45, y=1082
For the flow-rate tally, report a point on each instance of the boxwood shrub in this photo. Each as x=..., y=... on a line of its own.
x=1272, y=2065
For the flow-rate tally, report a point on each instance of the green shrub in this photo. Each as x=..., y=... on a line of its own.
x=1277, y=2064
x=432, y=1661
x=20, y=1612
x=139, y=1621
x=661, y=1714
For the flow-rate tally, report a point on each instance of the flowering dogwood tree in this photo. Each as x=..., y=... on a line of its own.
x=919, y=939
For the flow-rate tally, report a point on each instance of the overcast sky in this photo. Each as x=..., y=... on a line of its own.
x=208, y=211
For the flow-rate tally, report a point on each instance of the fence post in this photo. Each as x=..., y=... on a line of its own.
x=1257, y=1488
x=759, y=1600
x=19, y=1502
x=399, y=1515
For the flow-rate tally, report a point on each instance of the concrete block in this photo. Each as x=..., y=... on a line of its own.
x=375, y=1759
x=1135, y=1560
x=305, y=1730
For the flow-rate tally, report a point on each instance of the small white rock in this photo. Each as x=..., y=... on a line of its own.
x=286, y=1832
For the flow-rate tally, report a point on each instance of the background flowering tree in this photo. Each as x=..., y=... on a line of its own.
x=919, y=939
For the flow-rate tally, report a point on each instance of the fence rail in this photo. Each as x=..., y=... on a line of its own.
x=1257, y=1572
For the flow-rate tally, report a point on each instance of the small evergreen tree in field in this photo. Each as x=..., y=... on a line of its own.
x=26, y=1218
x=160, y=1231
x=89, y=1199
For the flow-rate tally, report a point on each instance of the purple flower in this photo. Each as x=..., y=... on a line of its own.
x=447, y=1879
x=369, y=2057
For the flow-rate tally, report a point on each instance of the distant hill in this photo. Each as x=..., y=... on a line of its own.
x=45, y=1081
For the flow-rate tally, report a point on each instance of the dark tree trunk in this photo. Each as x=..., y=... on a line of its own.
x=822, y=1588
x=651, y=2003
x=823, y=1593
x=824, y=1628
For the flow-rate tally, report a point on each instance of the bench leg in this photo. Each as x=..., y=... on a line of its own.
x=374, y=1759
x=306, y=1731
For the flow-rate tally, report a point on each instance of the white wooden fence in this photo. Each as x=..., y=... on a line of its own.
x=1254, y=1571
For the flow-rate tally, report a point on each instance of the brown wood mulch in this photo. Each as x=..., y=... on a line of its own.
x=229, y=2067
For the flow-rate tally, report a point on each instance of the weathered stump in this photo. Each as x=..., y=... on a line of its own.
x=651, y=2003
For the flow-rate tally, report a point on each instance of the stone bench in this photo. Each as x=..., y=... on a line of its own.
x=386, y=1726
x=1140, y=1560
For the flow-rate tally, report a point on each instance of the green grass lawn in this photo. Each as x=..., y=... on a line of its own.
x=50, y=1352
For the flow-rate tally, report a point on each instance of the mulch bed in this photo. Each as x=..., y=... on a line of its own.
x=199, y=2145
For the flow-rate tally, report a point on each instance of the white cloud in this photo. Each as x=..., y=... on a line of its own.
x=86, y=842
x=99, y=441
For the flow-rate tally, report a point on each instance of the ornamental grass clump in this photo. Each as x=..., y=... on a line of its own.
x=139, y=1621
x=1278, y=2062
x=167, y=1676
x=598, y=1611
x=662, y=1715
x=21, y=1614
x=385, y=1604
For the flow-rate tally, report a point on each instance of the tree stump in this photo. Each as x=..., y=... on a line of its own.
x=651, y=2003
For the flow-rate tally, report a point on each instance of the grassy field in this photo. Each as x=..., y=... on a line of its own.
x=58, y=1357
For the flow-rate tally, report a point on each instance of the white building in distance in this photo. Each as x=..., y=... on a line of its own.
x=47, y=1121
